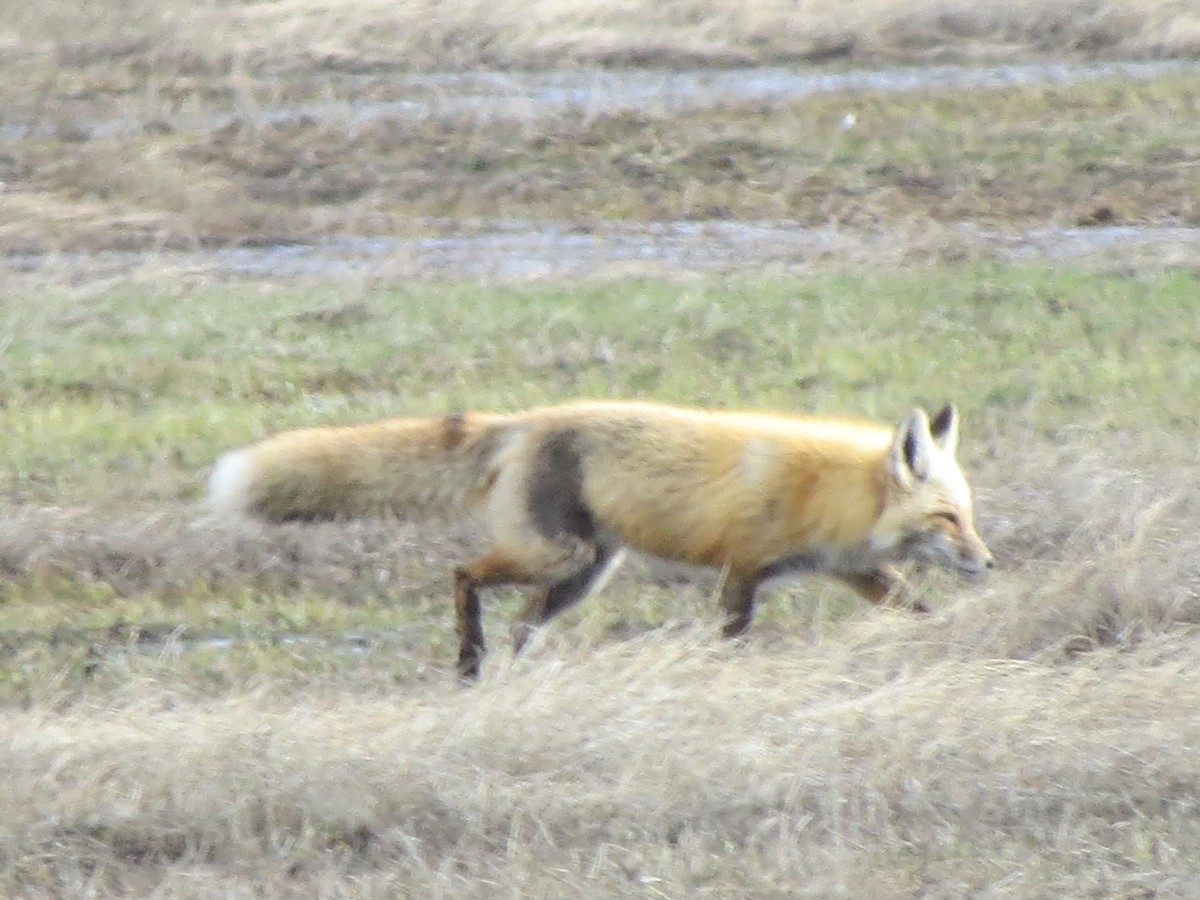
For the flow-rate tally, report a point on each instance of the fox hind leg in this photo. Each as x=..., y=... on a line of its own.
x=549, y=539
x=546, y=603
x=538, y=562
x=468, y=617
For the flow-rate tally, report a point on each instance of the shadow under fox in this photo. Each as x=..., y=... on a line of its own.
x=562, y=489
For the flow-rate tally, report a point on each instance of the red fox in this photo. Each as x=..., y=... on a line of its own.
x=564, y=488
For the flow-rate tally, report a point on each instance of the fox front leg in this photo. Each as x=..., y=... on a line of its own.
x=737, y=601
x=884, y=584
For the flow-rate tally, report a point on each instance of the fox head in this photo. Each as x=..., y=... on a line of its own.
x=927, y=512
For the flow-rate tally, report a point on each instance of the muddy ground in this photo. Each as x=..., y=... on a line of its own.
x=258, y=140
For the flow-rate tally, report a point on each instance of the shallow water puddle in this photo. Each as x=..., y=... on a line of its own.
x=520, y=250
x=613, y=91
x=532, y=95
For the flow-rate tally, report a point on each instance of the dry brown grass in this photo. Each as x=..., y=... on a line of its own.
x=666, y=767
x=1035, y=735
x=244, y=39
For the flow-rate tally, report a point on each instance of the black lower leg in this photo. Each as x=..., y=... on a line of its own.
x=545, y=605
x=737, y=600
x=469, y=626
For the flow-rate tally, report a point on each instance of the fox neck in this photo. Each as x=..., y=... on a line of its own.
x=839, y=503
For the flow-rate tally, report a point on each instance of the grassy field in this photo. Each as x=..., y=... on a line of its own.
x=192, y=707
x=199, y=708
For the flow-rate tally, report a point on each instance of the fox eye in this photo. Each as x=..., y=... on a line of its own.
x=950, y=518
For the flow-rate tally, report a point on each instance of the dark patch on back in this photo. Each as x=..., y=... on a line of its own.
x=556, y=504
x=454, y=430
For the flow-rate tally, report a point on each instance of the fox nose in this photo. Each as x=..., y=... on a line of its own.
x=983, y=554
x=980, y=560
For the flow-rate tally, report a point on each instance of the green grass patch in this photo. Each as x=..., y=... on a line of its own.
x=129, y=396
x=117, y=404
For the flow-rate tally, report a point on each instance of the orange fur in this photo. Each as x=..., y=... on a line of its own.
x=563, y=488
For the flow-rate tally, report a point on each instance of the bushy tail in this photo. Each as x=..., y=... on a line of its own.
x=230, y=482
x=408, y=467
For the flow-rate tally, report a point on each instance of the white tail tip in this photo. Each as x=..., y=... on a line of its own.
x=229, y=483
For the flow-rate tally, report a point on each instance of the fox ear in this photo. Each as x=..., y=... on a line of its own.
x=944, y=429
x=912, y=444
